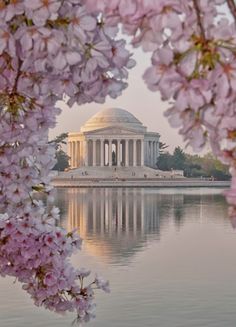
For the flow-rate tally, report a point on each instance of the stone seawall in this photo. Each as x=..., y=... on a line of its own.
x=62, y=182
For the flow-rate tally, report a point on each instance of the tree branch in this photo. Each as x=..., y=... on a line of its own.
x=232, y=7
x=14, y=89
x=199, y=20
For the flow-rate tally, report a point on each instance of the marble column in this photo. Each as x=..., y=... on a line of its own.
x=118, y=153
x=126, y=153
x=155, y=153
x=142, y=153
x=151, y=153
x=102, y=153
x=148, y=153
x=134, y=153
x=86, y=153
x=71, y=157
x=81, y=159
x=94, y=152
x=77, y=154
x=158, y=150
x=110, y=153
x=73, y=154
x=123, y=152
x=70, y=153
x=145, y=145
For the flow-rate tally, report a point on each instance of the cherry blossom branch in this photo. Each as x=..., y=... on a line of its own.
x=232, y=7
x=199, y=21
x=14, y=89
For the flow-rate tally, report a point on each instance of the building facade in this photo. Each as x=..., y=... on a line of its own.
x=113, y=137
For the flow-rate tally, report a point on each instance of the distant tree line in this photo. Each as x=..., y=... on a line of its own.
x=61, y=156
x=193, y=165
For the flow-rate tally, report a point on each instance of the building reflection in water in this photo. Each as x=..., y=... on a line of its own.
x=116, y=223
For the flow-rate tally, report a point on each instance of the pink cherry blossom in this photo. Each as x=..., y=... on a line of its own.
x=41, y=10
x=50, y=49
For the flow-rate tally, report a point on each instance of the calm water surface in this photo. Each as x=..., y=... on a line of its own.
x=169, y=255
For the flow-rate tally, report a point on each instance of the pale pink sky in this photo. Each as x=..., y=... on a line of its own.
x=137, y=99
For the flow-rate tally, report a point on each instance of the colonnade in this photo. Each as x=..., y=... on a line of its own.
x=76, y=153
x=106, y=152
x=151, y=153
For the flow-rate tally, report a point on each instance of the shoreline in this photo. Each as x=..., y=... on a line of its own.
x=135, y=183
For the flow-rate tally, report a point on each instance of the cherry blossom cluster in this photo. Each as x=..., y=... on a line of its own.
x=37, y=254
x=193, y=66
x=49, y=50
x=33, y=248
x=60, y=49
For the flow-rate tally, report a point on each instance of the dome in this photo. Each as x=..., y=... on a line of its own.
x=113, y=117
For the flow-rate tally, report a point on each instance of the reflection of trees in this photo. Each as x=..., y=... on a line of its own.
x=117, y=222
x=178, y=214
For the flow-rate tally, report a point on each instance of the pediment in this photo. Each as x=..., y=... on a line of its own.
x=113, y=130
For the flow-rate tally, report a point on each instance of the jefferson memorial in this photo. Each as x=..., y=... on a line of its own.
x=113, y=137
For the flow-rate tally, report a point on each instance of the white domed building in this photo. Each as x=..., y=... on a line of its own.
x=113, y=138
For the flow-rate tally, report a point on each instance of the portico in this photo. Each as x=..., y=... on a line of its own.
x=113, y=137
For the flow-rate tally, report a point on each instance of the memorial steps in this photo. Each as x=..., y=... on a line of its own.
x=114, y=172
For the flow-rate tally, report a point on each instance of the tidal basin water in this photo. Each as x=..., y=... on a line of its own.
x=170, y=256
